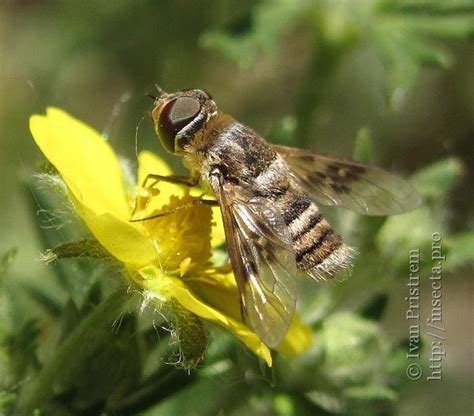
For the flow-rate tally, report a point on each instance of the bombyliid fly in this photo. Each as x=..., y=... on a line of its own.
x=267, y=195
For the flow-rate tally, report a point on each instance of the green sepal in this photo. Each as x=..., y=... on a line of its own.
x=189, y=334
x=50, y=203
x=81, y=249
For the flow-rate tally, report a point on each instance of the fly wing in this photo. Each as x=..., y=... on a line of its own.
x=262, y=258
x=364, y=189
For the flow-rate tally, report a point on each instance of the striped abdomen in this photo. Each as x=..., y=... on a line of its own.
x=319, y=251
x=242, y=154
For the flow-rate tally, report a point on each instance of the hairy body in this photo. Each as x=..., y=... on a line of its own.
x=233, y=150
x=267, y=197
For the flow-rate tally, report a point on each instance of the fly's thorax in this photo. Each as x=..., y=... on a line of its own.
x=202, y=153
x=240, y=154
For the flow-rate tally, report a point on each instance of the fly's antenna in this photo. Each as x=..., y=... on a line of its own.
x=160, y=91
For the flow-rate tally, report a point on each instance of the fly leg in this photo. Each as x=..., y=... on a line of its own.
x=187, y=205
x=142, y=200
x=148, y=191
x=178, y=180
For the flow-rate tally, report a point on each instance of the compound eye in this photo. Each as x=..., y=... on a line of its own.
x=175, y=115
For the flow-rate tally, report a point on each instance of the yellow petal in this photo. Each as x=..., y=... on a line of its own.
x=85, y=161
x=181, y=234
x=149, y=163
x=219, y=289
x=124, y=241
x=187, y=299
x=298, y=338
x=218, y=235
x=165, y=286
x=121, y=240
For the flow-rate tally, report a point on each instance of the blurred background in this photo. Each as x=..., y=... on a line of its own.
x=389, y=82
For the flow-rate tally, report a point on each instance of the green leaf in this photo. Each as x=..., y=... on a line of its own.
x=269, y=20
x=401, y=67
x=45, y=299
x=445, y=27
x=7, y=402
x=427, y=7
x=402, y=233
x=69, y=320
x=436, y=180
x=370, y=392
x=396, y=362
x=352, y=347
x=92, y=298
x=88, y=349
x=204, y=397
x=363, y=148
x=429, y=55
x=326, y=401
x=284, y=131
x=404, y=32
x=21, y=347
x=375, y=308
x=166, y=384
x=460, y=250
x=284, y=405
x=6, y=260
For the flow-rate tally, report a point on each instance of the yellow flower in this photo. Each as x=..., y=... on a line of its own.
x=167, y=257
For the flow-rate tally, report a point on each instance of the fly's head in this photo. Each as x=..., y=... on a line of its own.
x=179, y=116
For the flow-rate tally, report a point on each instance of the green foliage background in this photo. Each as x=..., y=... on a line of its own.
x=384, y=81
